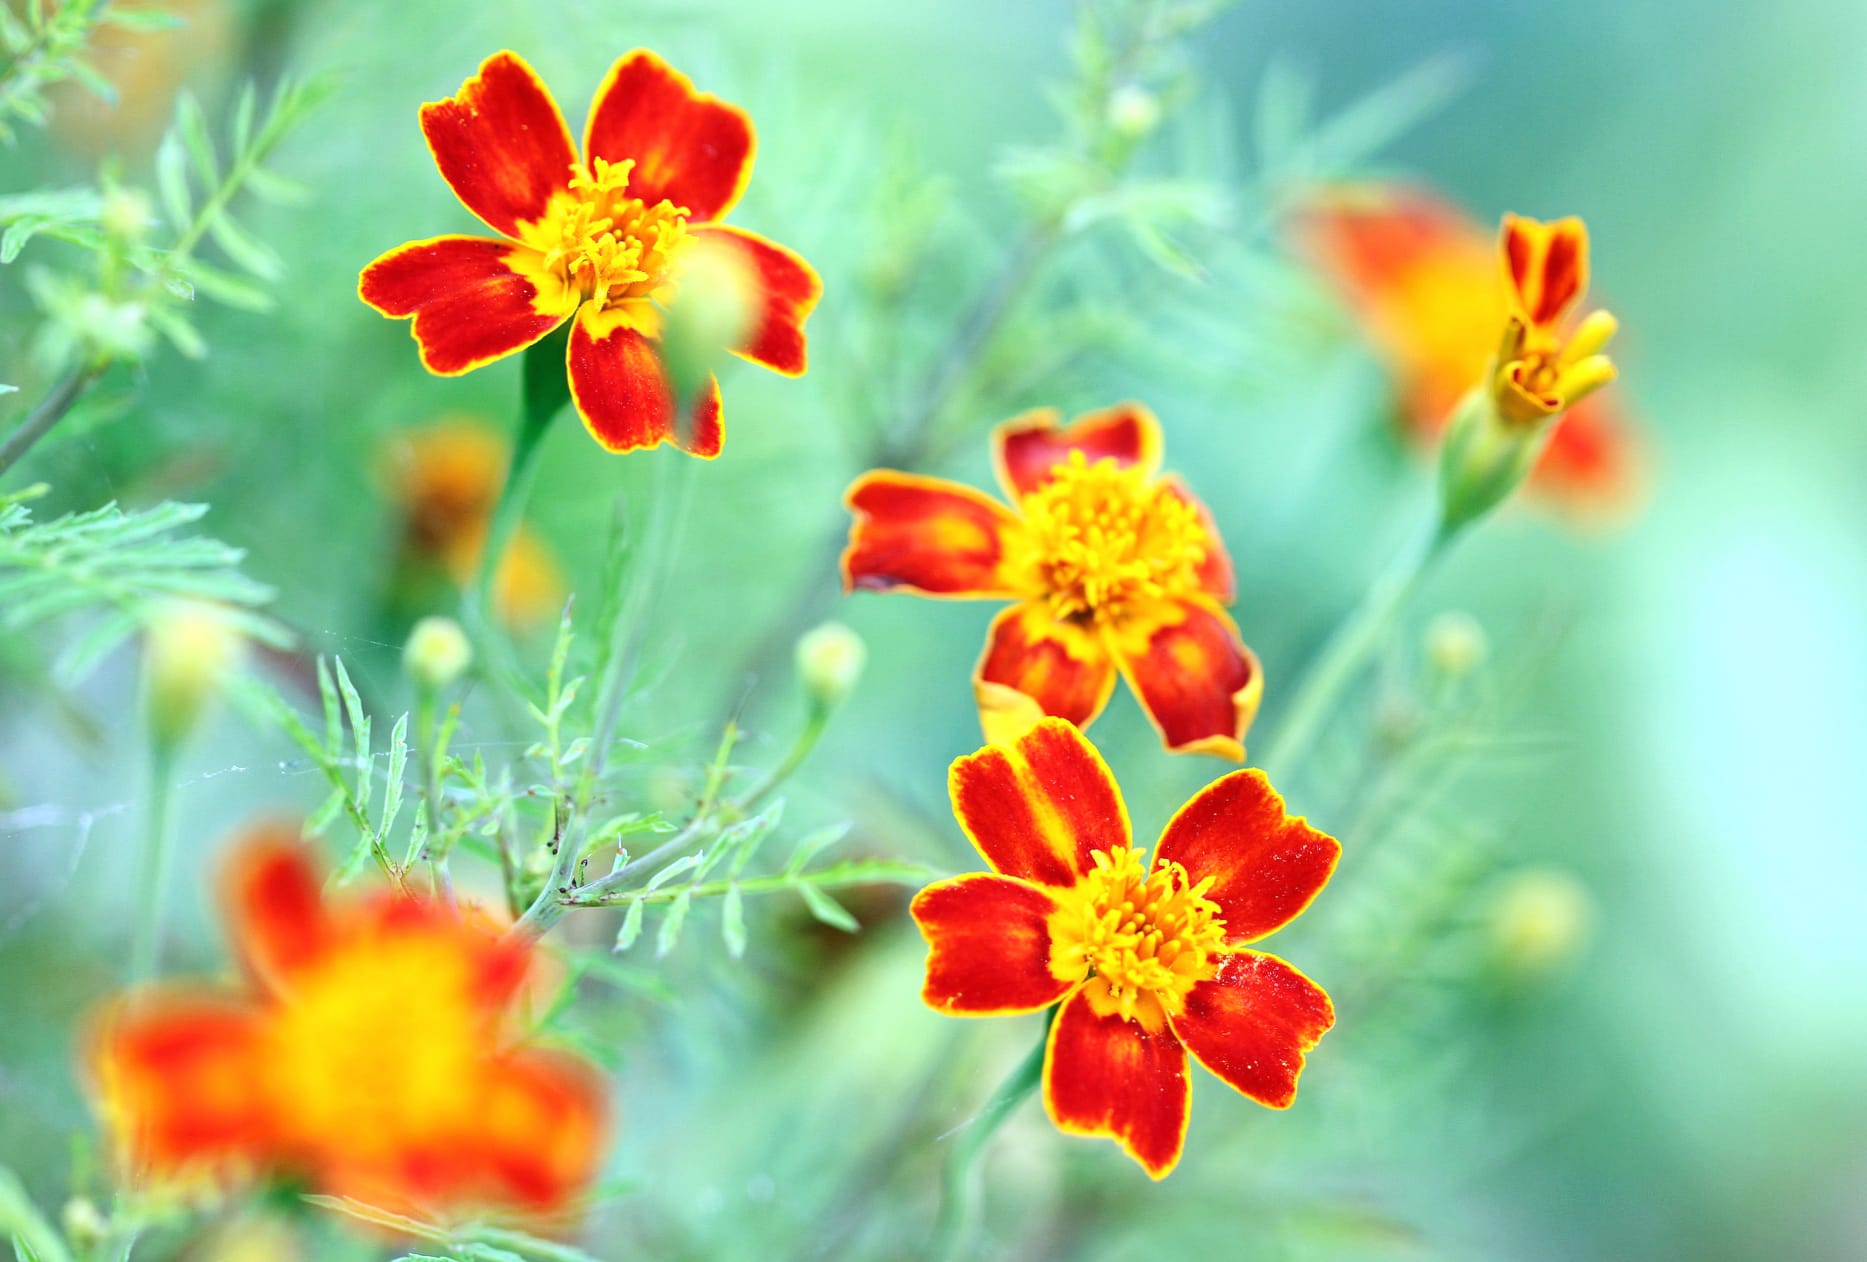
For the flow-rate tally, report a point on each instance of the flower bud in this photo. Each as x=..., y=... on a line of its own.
x=1539, y=922
x=1133, y=111
x=83, y=1222
x=127, y=215
x=437, y=653
x=830, y=659
x=716, y=303
x=190, y=650
x=1483, y=458
x=1456, y=645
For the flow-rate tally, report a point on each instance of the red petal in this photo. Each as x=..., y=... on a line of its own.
x=617, y=385
x=501, y=143
x=1547, y=264
x=1216, y=577
x=924, y=535
x=1266, y=866
x=1196, y=679
x=1026, y=448
x=1591, y=466
x=1252, y=1024
x=545, y=1133
x=470, y=297
x=1039, y=808
x=791, y=289
x=689, y=147
x=1061, y=666
x=1104, y=1075
x=179, y=1083
x=989, y=946
x=275, y=905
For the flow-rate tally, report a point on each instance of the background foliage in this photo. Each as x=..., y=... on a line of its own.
x=1673, y=710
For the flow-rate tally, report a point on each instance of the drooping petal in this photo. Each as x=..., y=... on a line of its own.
x=1196, y=679
x=1104, y=1075
x=1266, y=865
x=924, y=535
x=689, y=147
x=617, y=384
x=1547, y=264
x=1062, y=666
x=471, y=298
x=1216, y=577
x=988, y=942
x=1026, y=448
x=1253, y=1023
x=501, y=143
x=1039, y=808
x=790, y=289
x=275, y=907
x=178, y=1080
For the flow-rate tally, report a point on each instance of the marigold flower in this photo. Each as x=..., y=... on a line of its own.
x=1425, y=281
x=1114, y=568
x=598, y=240
x=1149, y=959
x=367, y=1054
x=447, y=478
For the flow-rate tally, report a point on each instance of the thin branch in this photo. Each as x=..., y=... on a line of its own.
x=50, y=411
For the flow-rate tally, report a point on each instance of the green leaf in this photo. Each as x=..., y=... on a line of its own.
x=191, y=123
x=671, y=923
x=813, y=844
x=733, y=922
x=631, y=927
x=244, y=250
x=827, y=909
x=172, y=182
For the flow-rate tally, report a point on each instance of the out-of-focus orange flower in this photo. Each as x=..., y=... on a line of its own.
x=145, y=68
x=1149, y=958
x=1425, y=281
x=1114, y=568
x=447, y=479
x=597, y=239
x=369, y=1054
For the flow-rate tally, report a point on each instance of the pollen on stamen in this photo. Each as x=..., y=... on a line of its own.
x=1148, y=935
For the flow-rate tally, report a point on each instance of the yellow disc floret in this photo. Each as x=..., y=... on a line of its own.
x=1102, y=539
x=1147, y=938
x=603, y=245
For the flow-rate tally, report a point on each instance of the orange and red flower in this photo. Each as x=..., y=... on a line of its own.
x=1114, y=568
x=1149, y=960
x=597, y=239
x=368, y=1054
x=1426, y=282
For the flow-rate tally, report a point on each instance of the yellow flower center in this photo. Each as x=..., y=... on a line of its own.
x=1100, y=539
x=602, y=244
x=377, y=1043
x=1146, y=938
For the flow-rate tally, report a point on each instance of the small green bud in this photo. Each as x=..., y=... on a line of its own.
x=1483, y=458
x=715, y=305
x=830, y=659
x=190, y=650
x=1456, y=645
x=1539, y=923
x=437, y=653
x=127, y=213
x=1133, y=112
x=83, y=1222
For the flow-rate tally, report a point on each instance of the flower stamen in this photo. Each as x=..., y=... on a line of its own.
x=1145, y=935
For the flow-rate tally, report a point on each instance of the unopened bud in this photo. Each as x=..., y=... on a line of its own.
x=1133, y=111
x=191, y=649
x=830, y=659
x=127, y=214
x=1539, y=922
x=1482, y=459
x=437, y=653
x=83, y=1222
x=716, y=303
x=1456, y=645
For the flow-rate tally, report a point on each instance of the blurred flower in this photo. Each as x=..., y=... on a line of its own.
x=447, y=478
x=596, y=241
x=1539, y=922
x=1424, y=280
x=190, y=650
x=1456, y=645
x=830, y=659
x=367, y=1055
x=437, y=653
x=1114, y=568
x=145, y=68
x=1148, y=959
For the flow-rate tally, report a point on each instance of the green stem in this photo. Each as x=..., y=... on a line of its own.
x=840, y=877
x=153, y=872
x=545, y=390
x=1354, y=641
x=800, y=750
x=50, y=411
x=959, y=1186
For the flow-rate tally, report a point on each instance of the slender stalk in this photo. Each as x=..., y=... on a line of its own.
x=544, y=390
x=800, y=750
x=1353, y=642
x=50, y=411
x=153, y=871
x=960, y=1197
